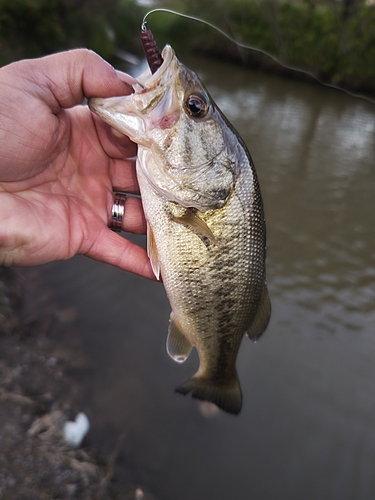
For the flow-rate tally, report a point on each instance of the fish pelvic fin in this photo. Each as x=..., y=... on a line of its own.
x=262, y=317
x=178, y=346
x=152, y=252
x=225, y=395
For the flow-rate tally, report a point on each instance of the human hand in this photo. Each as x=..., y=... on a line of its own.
x=59, y=165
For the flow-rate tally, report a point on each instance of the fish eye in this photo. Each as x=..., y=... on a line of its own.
x=196, y=106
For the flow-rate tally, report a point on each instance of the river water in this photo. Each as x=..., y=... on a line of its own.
x=307, y=428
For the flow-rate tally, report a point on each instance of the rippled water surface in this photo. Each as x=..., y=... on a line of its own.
x=307, y=428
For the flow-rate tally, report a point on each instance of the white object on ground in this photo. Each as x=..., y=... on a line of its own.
x=74, y=432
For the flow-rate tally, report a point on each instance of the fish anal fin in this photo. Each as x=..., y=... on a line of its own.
x=152, y=252
x=262, y=317
x=191, y=220
x=225, y=395
x=178, y=346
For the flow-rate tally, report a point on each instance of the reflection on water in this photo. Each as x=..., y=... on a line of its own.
x=307, y=429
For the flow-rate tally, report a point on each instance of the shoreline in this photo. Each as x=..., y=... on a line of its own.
x=321, y=38
x=39, y=392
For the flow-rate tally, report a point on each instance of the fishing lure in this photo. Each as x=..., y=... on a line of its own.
x=151, y=50
x=155, y=60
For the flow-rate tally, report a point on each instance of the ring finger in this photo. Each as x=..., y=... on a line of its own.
x=131, y=219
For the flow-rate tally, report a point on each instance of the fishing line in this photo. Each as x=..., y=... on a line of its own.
x=259, y=50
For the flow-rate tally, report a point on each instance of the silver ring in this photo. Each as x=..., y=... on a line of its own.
x=118, y=209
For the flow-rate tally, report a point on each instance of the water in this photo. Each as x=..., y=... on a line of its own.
x=307, y=428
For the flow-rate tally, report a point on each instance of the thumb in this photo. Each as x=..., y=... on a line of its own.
x=67, y=77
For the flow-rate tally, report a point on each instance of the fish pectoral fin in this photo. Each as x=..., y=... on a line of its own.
x=191, y=220
x=178, y=346
x=262, y=317
x=152, y=252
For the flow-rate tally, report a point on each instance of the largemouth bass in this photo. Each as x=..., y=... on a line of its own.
x=206, y=228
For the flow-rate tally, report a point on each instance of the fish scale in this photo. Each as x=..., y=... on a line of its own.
x=206, y=227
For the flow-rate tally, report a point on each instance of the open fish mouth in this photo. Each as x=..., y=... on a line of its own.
x=173, y=117
x=130, y=114
x=149, y=78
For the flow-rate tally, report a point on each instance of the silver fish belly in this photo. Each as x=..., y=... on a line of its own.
x=206, y=227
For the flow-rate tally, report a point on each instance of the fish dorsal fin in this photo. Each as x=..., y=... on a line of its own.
x=197, y=225
x=178, y=346
x=152, y=252
x=262, y=317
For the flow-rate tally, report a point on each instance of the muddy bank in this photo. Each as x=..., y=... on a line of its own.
x=39, y=392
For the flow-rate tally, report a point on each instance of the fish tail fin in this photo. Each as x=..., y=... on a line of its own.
x=226, y=395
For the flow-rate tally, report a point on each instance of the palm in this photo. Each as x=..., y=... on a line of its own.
x=57, y=191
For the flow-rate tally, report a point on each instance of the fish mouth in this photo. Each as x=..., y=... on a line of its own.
x=132, y=114
x=148, y=80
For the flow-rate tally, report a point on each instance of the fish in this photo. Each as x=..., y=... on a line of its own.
x=206, y=233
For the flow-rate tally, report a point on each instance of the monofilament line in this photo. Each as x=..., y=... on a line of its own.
x=257, y=49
